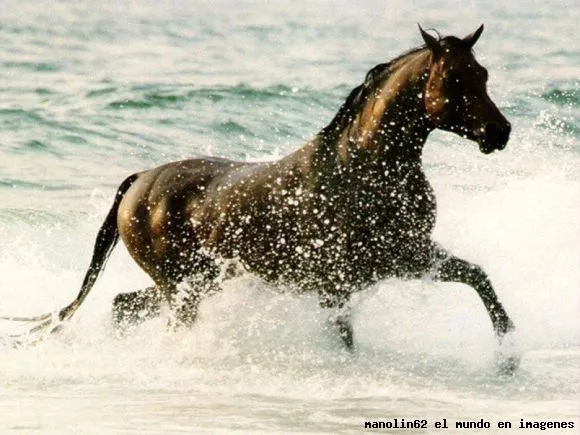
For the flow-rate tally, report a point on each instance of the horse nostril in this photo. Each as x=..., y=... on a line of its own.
x=498, y=134
x=507, y=128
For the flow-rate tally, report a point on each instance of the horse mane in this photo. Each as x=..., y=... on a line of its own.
x=359, y=95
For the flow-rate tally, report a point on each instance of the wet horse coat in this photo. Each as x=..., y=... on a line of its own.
x=349, y=208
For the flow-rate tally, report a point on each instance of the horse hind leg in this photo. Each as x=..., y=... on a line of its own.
x=185, y=291
x=132, y=309
x=185, y=297
x=181, y=294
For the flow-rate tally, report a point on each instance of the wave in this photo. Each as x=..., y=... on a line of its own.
x=158, y=96
x=34, y=66
x=563, y=97
x=32, y=185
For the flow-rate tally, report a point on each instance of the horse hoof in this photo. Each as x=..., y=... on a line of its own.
x=347, y=339
x=507, y=357
x=508, y=365
x=340, y=326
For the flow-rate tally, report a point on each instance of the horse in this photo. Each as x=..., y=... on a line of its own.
x=349, y=208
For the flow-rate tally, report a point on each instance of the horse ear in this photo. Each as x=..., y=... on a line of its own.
x=472, y=38
x=430, y=41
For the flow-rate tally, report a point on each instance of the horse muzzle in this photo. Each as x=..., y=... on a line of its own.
x=495, y=137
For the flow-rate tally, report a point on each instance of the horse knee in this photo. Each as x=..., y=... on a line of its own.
x=477, y=276
x=186, y=311
x=136, y=307
x=450, y=268
x=185, y=297
x=123, y=307
x=335, y=299
x=345, y=331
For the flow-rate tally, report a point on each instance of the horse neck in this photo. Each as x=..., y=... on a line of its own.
x=389, y=130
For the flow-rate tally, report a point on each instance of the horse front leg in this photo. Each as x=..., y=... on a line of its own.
x=186, y=284
x=340, y=319
x=449, y=268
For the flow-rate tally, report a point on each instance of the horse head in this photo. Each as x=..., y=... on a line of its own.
x=456, y=96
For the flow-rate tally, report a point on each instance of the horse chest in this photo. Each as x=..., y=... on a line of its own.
x=401, y=204
x=386, y=228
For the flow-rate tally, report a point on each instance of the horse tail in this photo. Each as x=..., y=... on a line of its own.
x=107, y=238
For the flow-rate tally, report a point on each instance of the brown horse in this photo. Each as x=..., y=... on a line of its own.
x=349, y=208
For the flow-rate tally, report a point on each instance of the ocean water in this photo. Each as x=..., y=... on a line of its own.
x=91, y=92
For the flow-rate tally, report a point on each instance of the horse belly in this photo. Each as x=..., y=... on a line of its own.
x=264, y=242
